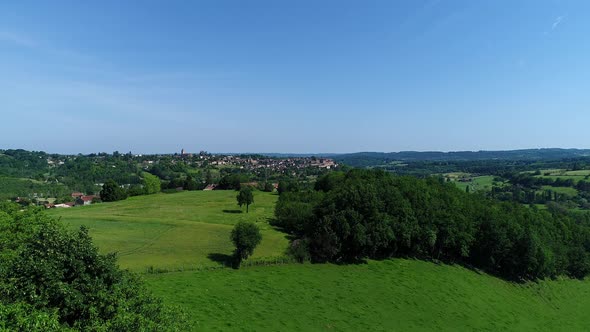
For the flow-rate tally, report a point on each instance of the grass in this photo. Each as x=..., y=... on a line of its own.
x=393, y=295
x=169, y=231
x=564, y=174
x=173, y=231
x=562, y=190
x=477, y=183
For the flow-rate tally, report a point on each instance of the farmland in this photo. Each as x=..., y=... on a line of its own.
x=191, y=229
x=174, y=231
x=476, y=183
x=392, y=295
x=564, y=174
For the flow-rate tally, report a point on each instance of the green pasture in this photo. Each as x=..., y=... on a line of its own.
x=564, y=174
x=562, y=190
x=477, y=183
x=393, y=295
x=170, y=231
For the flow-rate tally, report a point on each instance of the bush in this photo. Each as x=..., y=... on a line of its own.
x=112, y=192
x=59, y=278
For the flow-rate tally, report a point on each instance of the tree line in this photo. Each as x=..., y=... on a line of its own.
x=363, y=214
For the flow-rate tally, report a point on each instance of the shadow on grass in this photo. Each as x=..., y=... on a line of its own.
x=273, y=224
x=221, y=258
x=232, y=211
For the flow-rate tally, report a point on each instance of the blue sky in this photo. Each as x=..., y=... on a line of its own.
x=294, y=76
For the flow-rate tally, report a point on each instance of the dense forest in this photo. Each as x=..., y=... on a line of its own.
x=373, y=214
x=364, y=159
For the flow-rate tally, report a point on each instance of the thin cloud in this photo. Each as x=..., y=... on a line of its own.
x=16, y=39
x=557, y=22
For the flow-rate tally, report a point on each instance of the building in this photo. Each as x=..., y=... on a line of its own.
x=85, y=200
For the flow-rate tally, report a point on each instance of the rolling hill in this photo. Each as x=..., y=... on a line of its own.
x=191, y=229
x=175, y=231
x=392, y=295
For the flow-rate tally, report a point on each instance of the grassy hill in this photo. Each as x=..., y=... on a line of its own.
x=191, y=229
x=394, y=295
x=170, y=231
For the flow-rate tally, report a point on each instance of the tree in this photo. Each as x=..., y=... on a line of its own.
x=111, y=192
x=55, y=279
x=231, y=181
x=287, y=186
x=190, y=183
x=268, y=187
x=245, y=236
x=151, y=183
x=245, y=197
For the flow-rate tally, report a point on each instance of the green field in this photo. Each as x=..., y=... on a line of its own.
x=395, y=295
x=563, y=174
x=562, y=190
x=477, y=183
x=173, y=231
x=191, y=229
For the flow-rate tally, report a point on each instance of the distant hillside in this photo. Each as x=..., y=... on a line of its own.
x=364, y=159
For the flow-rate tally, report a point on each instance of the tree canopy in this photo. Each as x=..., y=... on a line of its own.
x=112, y=192
x=373, y=214
x=53, y=279
x=245, y=197
x=245, y=236
x=151, y=183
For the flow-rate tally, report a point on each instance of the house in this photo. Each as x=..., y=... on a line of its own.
x=210, y=187
x=65, y=205
x=77, y=194
x=249, y=184
x=85, y=200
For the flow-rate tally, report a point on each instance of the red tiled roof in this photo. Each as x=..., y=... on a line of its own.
x=88, y=198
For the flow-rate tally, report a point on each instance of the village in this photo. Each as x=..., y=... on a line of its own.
x=261, y=167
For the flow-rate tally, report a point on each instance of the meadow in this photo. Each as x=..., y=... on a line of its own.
x=391, y=295
x=175, y=231
x=191, y=230
x=564, y=174
x=477, y=183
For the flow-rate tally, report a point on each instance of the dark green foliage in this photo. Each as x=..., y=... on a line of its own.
x=245, y=236
x=111, y=192
x=329, y=181
x=299, y=249
x=53, y=279
x=229, y=182
x=136, y=190
x=287, y=186
x=245, y=197
x=24, y=317
x=268, y=187
x=373, y=214
x=294, y=210
x=191, y=184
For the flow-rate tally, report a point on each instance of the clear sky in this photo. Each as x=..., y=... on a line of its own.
x=293, y=76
